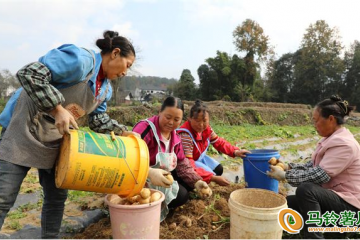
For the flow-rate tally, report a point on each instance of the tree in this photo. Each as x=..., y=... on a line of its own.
x=351, y=88
x=281, y=81
x=222, y=65
x=185, y=88
x=8, y=83
x=249, y=37
x=318, y=73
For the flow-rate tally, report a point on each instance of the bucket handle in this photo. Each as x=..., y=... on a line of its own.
x=256, y=167
x=118, y=148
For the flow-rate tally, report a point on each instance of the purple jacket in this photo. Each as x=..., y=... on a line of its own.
x=184, y=170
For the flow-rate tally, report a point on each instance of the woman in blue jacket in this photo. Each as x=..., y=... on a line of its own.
x=64, y=85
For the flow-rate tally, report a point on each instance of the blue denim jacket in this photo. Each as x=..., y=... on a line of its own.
x=68, y=65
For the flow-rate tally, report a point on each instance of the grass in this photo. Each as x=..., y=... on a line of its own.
x=247, y=132
x=211, y=208
x=31, y=178
x=14, y=225
x=75, y=196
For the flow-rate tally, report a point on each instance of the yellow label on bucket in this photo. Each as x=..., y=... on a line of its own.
x=101, y=144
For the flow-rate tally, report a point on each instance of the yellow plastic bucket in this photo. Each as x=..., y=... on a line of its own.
x=91, y=161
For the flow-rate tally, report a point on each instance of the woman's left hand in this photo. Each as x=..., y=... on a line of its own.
x=241, y=153
x=129, y=133
x=276, y=172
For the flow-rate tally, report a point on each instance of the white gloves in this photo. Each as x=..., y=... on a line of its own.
x=277, y=173
x=157, y=178
x=203, y=189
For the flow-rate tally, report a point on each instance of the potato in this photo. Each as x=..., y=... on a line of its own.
x=145, y=193
x=280, y=165
x=172, y=226
x=114, y=198
x=134, y=198
x=144, y=201
x=273, y=161
x=155, y=197
x=170, y=178
x=188, y=222
x=205, y=191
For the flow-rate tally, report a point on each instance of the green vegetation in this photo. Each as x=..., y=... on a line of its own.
x=14, y=224
x=247, y=132
x=75, y=196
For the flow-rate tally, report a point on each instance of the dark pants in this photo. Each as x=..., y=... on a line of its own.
x=181, y=198
x=312, y=197
x=11, y=178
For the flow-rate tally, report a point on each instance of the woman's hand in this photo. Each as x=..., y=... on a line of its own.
x=276, y=172
x=157, y=177
x=220, y=180
x=203, y=189
x=241, y=153
x=63, y=119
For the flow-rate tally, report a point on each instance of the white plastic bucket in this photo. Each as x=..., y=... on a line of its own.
x=254, y=214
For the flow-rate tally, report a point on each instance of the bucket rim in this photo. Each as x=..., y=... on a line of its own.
x=140, y=206
x=258, y=190
x=262, y=151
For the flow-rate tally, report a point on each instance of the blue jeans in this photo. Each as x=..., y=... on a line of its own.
x=11, y=177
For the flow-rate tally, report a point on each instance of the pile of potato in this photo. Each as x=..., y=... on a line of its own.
x=145, y=197
x=275, y=162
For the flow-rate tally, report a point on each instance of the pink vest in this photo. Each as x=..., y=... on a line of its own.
x=339, y=156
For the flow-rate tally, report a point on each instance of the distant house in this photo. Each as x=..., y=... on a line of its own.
x=146, y=93
x=125, y=97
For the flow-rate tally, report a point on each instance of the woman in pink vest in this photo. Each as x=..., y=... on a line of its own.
x=167, y=156
x=330, y=181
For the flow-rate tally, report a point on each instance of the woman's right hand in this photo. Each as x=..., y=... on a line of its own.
x=63, y=119
x=157, y=177
x=220, y=180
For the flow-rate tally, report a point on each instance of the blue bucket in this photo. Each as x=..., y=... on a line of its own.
x=255, y=167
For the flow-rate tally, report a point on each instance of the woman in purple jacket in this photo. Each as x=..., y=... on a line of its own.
x=166, y=153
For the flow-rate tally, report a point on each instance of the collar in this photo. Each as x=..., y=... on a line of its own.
x=339, y=131
x=98, y=61
x=197, y=136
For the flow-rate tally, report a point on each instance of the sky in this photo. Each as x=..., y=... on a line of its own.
x=170, y=35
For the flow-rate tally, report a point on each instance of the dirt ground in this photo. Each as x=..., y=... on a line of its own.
x=209, y=218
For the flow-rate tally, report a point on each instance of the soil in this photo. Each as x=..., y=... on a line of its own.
x=209, y=218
